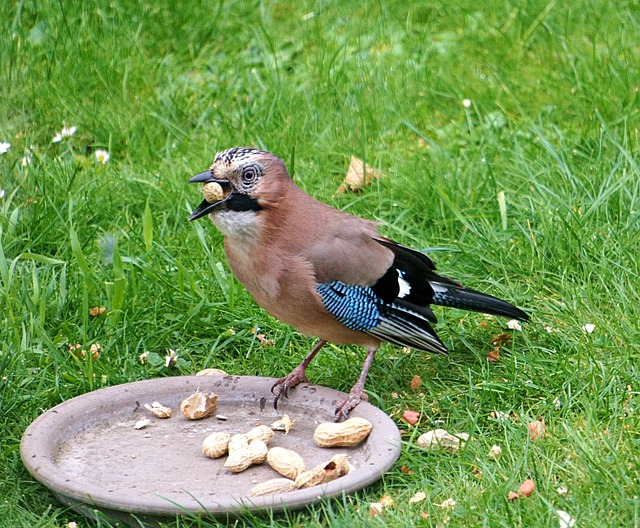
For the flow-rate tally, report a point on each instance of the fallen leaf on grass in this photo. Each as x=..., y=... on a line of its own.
x=536, y=430
x=513, y=496
x=494, y=355
x=416, y=382
x=411, y=417
x=501, y=339
x=406, y=470
x=527, y=488
x=359, y=174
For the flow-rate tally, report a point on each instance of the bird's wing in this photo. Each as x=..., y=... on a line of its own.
x=374, y=285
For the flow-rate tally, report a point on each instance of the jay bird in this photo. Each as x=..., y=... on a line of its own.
x=325, y=272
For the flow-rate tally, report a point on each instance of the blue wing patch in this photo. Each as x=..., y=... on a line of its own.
x=356, y=307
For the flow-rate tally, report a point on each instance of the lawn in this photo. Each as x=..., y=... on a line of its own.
x=508, y=136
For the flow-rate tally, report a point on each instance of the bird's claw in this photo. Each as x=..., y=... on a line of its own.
x=282, y=386
x=349, y=403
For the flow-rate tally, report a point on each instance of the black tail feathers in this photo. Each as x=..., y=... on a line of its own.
x=459, y=297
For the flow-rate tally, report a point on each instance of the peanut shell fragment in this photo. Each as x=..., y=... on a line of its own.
x=199, y=405
x=159, y=410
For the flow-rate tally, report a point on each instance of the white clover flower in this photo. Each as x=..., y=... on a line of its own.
x=566, y=521
x=514, y=325
x=466, y=103
x=102, y=156
x=4, y=147
x=495, y=452
x=64, y=133
x=589, y=328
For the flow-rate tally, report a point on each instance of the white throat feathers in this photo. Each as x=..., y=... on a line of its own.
x=239, y=225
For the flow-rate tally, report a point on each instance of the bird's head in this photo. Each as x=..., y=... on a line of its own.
x=251, y=180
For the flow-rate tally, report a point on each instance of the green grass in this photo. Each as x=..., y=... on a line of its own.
x=553, y=124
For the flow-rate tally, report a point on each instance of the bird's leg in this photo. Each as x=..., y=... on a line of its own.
x=297, y=376
x=356, y=392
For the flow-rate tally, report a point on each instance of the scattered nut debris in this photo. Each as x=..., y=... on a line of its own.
x=447, y=504
x=441, y=439
x=199, y=405
x=172, y=359
x=142, y=423
x=386, y=501
x=359, y=175
x=283, y=424
x=159, y=410
x=375, y=509
x=416, y=381
x=221, y=417
x=144, y=357
x=418, y=497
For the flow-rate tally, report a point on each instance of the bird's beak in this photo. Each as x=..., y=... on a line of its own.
x=206, y=207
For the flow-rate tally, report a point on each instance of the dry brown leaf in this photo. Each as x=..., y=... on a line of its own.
x=501, y=339
x=494, y=355
x=416, y=382
x=411, y=417
x=513, y=496
x=527, y=487
x=359, y=175
x=95, y=311
x=536, y=430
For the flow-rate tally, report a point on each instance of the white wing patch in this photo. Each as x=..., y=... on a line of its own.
x=405, y=287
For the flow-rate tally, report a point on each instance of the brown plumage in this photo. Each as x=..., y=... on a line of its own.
x=327, y=273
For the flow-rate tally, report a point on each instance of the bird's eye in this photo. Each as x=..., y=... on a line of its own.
x=250, y=173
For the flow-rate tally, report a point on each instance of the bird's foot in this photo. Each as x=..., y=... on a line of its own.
x=282, y=386
x=350, y=402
